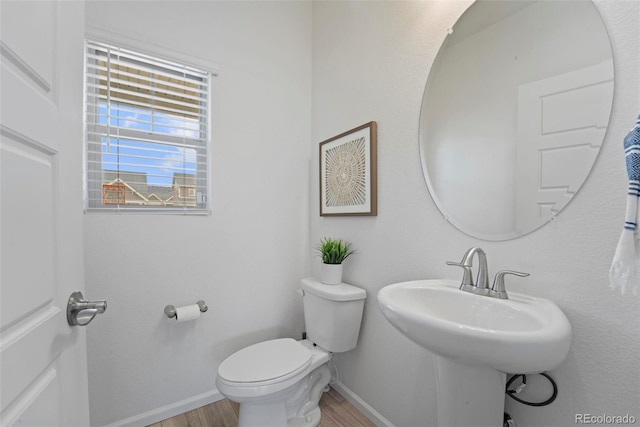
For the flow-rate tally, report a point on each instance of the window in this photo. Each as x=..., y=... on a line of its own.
x=147, y=132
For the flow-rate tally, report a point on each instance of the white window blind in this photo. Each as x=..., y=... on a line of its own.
x=147, y=131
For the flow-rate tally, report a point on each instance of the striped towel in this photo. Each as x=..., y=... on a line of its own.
x=622, y=274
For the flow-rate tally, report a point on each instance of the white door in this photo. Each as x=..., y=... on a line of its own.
x=42, y=359
x=561, y=125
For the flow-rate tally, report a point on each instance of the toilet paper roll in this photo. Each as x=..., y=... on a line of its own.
x=187, y=313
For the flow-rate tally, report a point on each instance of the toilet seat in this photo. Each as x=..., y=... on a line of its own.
x=264, y=363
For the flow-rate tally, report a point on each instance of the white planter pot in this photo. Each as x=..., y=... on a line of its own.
x=331, y=274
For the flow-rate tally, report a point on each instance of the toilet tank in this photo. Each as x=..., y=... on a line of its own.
x=332, y=314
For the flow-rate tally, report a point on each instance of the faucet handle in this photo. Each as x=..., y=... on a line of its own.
x=467, y=277
x=498, y=290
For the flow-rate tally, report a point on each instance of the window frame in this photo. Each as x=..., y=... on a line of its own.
x=93, y=175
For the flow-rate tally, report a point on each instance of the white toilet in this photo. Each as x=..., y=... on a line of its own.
x=279, y=382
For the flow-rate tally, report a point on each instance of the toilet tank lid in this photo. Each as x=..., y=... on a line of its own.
x=341, y=292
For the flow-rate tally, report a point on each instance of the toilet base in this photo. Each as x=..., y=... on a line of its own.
x=296, y=406
x=273, y=416
x=312, y=419
x=267, y=415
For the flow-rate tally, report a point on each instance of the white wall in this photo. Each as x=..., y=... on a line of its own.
x=370, y=62
x=247, y=258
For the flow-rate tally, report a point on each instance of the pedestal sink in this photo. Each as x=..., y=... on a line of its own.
x=477, y=340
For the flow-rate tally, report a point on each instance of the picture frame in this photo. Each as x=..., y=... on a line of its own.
x=348, y=173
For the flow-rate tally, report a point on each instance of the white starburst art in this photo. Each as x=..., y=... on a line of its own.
x=345, y=169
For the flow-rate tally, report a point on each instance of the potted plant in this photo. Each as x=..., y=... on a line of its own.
x=333, y=252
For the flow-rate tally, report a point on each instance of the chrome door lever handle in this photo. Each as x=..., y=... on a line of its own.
x=81, y=312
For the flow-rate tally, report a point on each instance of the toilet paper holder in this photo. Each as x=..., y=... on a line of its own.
x=170, y=310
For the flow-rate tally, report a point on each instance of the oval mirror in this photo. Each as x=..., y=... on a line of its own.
x=514, y=112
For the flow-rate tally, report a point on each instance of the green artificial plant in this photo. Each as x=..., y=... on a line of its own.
x=334, y=251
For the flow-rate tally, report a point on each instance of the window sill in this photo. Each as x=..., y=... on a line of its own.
x=151, y=211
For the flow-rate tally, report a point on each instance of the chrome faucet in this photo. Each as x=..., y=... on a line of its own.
x=481, y=287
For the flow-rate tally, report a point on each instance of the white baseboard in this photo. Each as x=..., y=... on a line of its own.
x=361, y=405
x=170, y=410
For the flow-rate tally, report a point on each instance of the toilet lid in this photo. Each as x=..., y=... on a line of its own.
x=280, y=358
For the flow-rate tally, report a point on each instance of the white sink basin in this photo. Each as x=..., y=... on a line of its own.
x=521, y=334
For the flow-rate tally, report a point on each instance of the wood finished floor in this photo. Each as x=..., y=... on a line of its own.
x=336, y=412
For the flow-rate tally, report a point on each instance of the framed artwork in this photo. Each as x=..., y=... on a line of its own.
x=348, y=176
